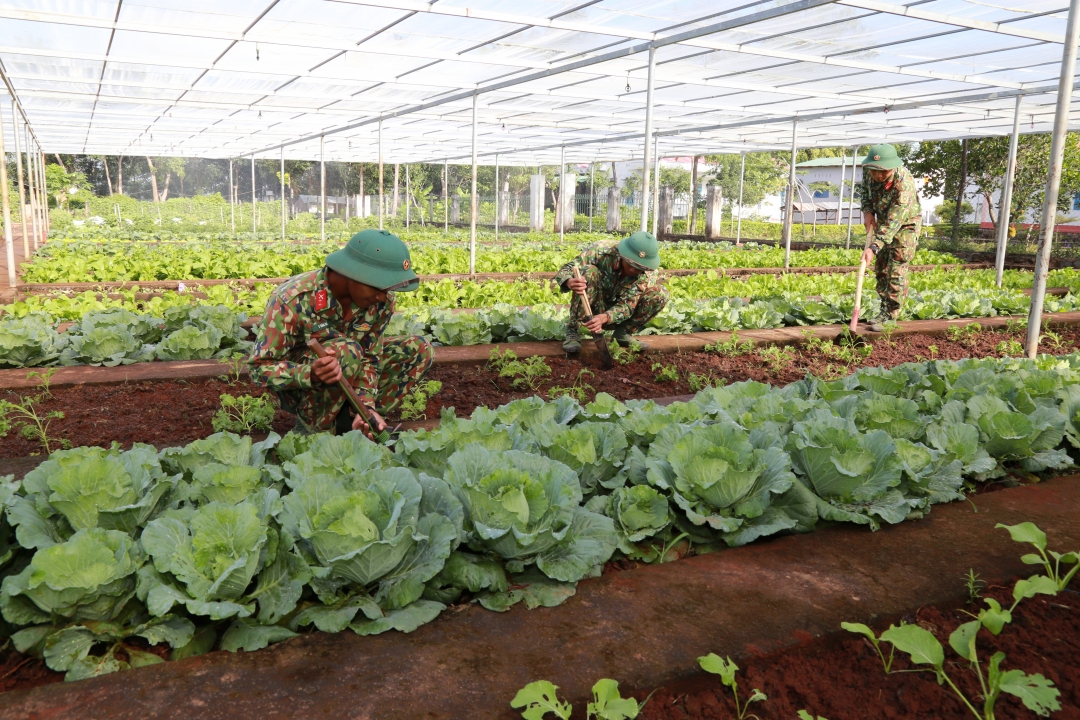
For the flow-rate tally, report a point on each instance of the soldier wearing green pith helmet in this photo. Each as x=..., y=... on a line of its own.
x=346, y=306
x=893, y=218
x=623, y=287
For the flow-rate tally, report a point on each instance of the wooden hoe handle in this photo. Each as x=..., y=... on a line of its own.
x=350, y=392
x=584, y=297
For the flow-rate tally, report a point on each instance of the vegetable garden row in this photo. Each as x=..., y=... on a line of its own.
x=236, y=544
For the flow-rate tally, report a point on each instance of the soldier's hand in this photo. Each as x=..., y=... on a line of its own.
x=596, y=325
x=868, y=256
x=869, y=222
x=577, y=285
x=327, y=369
x=358, y=423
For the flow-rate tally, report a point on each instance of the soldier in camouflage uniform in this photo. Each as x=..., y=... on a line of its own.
x=346, y=306
x=623, y=287
x=893, y=217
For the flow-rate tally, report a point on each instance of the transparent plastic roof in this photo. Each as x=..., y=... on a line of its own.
x=227, y=79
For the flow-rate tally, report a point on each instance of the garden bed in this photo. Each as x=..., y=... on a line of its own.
x=159, y=411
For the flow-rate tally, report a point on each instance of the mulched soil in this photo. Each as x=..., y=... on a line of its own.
x=180, y=411
x=840, y=677
x=466, y=388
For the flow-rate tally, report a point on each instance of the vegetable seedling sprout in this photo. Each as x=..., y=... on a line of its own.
x=726, y=669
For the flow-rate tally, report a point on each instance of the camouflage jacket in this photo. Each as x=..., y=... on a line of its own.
x=894, y=204
x=620, y=292
x=303, y=307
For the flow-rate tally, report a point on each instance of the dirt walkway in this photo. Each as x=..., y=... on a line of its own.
x=644, y=627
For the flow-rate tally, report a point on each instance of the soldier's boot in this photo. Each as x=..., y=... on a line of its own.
x=623, y=337
x=572, y=343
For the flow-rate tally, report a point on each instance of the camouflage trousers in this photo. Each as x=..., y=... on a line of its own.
x=646, y=306
x=891, y=270
x=402, y=364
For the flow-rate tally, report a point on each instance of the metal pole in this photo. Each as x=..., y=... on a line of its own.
x=254, y=222
x=789, y=201
x=43, y=192
x=592, y=192
x=380, y=178
x=843, y=170
x=648, y=136
x=22, y=193
x=497, y=194
x=742, y=177
x=656, y=182
x=1006, y=196
x=5, y=206
x=45, y=206
x=446, y=196
x=282, y=192
x=1053, y=181
x=560, y=217
x=322, y=187
x=32, y=183
x=472, y=195
x=408, y=194
x=232, y=205
x=851, y=196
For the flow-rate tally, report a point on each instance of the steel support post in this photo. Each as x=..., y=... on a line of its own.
x=446, y=196
x=31, y=200
x=322, y=187
x=648, y=137
x=232, y=205
x=254, y=215
x=840, y=200
x=45, y=205
x=1053, y=181
x=5, y=208
x=472, y=194
x=1005, y=211
x=560, y=209
x=789, y=201
x=592, y=192
x=742, y=178
x=22, y=192
x=380, y=178
x=408, y=194
x=656, y=182
x=282, y=192
x=498, y=194
x=851, y=196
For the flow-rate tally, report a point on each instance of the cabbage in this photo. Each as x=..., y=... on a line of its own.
x=29, y=341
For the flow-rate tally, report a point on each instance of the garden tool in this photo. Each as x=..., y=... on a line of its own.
x=598, y=338
x=858, y=287
x=353, y=398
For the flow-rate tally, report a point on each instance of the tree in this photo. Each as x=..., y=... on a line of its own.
x=765, y=175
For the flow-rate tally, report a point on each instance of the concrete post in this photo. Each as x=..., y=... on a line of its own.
x=446, y=195
x=851, y=196
x=232, y=205
x=498, y=207
x=565, y=215
x=666, y=212
x=742, y=177
x=380, y=178
x=474, y=205
x=282, y=192
x=614, y=207
x=322, y=188
x=536, y=202
x=714, y=208
x=31, y=198
x=789, y=200
x=1005, y=210
x=455, y=209
x=504, y=203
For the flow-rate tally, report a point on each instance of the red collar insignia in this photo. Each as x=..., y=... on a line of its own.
x=320, y=300
x=888, y=185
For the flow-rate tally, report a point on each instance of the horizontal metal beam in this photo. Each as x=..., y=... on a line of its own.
x=920, y=14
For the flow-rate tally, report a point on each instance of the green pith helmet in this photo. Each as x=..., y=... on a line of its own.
x=641, y=250
x=377, y=258
x=882, y=157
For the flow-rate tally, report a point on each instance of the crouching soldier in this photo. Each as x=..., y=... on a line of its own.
x=623, y=287
x=346, y=306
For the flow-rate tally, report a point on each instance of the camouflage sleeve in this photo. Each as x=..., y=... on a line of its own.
x=269, y=361
x=866, y=204
x=904, y=210
x=624, y=305
x=589, y=257
x=370, y=342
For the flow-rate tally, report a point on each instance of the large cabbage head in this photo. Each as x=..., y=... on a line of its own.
x=717, y=474
x=223, y=448
x=639, y=512
x=107, y=345
x=30, y=340
x=429, y=450
x=90, y=487
x=213, y=553
x=191, y=342
x=89, y=577
x=595, y=450
x=337, y=456
x=145, y=328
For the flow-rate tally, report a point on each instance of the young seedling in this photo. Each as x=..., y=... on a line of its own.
x=1051, y=561
x=1010, y=348
x=497, y=360
x=32, y=426
x=861, y=629
x=803, y=715
x=44, y=380
x=625, y=355
x=965, y=335
x=777, y=357
x=1015, y=326
x=726, y=669
x=237, y=364
x=698, y=382
x=974, y=586
x=579, y=390
x=244, y=413
x=1052, y=339
x=933, y=352
x=731, y=347
x=539, y=699
x=887, y=330
x=665, y=373
x=414, y=405
x=528, y=373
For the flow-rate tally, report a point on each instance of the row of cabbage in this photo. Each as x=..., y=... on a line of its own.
x=119, y=337
x=198, y=332
x=235, y=544
x=96, y=262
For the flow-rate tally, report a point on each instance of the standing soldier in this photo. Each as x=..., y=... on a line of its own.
x=893, y=217
x=623, y=287
x=346, y=306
